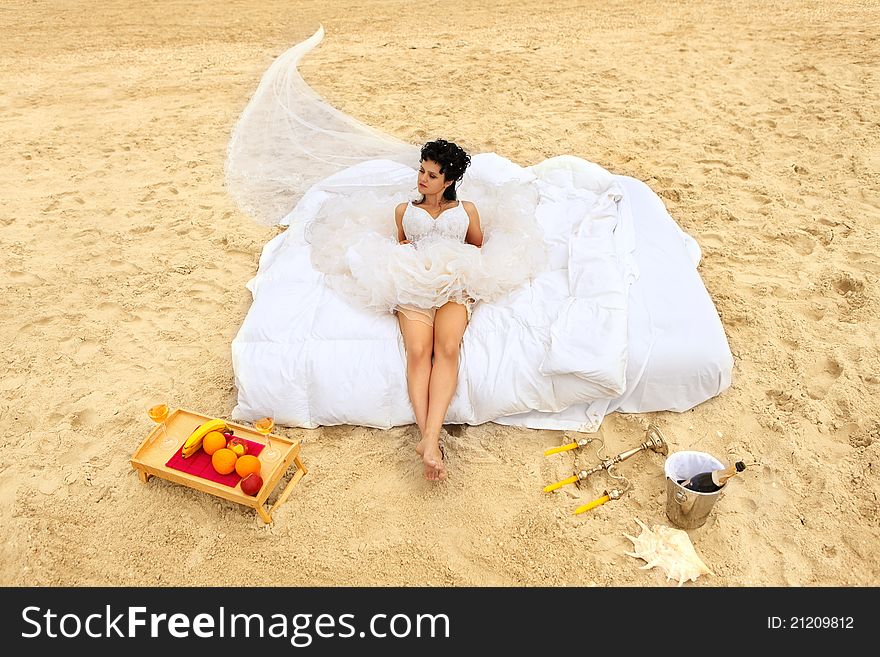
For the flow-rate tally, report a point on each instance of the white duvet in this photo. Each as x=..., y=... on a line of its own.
x=617, y=320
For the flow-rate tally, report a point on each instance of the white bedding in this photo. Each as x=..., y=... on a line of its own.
x=619, y=320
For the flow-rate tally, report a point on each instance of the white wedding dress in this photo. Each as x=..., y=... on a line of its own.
x=353, y=240
x=587, y=298
x=421, y=228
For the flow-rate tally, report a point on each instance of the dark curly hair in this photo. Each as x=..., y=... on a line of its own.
x=453, y=161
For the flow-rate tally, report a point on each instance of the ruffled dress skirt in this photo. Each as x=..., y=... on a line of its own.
x=354, y=244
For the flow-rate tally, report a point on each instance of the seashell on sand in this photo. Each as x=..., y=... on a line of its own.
x=670, y=549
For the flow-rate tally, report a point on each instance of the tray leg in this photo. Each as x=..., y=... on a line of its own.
x=294, y=480
x=144, y=476
x=266, y=517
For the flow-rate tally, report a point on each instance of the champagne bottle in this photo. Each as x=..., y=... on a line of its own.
x=710, y=482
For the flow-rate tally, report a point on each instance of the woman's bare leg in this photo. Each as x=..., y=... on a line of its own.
x=449, y=325
x=418, y=339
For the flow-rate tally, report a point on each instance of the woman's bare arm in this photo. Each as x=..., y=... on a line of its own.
x=475, y=230
x=398, y=218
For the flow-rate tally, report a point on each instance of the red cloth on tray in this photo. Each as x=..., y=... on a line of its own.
x=199, y=464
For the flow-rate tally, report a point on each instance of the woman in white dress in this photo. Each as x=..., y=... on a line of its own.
x=432, y=336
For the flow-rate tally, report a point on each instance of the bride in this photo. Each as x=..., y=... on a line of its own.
x=432, y=336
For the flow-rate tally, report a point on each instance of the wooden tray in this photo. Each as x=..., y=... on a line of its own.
x=150, y=458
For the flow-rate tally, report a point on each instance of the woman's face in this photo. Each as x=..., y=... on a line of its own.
x=431, y=181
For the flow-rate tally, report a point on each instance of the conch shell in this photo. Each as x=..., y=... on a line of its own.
x=669, y=548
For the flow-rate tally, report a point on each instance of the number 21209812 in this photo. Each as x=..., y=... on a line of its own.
x=810, y=623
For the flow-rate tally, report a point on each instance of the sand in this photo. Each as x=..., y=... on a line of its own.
x=125, y=262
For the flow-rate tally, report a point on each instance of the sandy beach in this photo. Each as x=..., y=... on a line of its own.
x=125, y=263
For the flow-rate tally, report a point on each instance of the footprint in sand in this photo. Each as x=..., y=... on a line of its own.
x=10, y=383
x=670, y=194
x=111, y=311
x=857, y=436
x=867, y=261
x=37, y=323
x=157, y=188
x=183, y=227
x=814, y=313
x=84, y=452
x=850, y=288
x=782, y=400
x=761, y=198
x=801, y=243
x=25, y=278
x=205, y=289
x=821, y=376
x=782, y=292
x=713, y=240
x=85, y=352
x=823, y=236
x=85, y=418
x=722, y=167
x=846, y=284
x=833, y=224
x=56, y=200
x=124, y=266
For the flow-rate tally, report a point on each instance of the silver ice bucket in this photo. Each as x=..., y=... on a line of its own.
x=685, y=508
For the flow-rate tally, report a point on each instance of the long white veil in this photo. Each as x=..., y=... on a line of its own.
x=288, y=138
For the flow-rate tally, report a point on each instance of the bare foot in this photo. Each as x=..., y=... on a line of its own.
x=435, y=468
x=432, y=457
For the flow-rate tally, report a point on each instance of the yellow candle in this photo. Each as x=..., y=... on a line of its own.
x=592, y=505
x=563, y=448
x=560, y=484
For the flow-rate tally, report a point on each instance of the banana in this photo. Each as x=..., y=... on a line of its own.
x=194, y=442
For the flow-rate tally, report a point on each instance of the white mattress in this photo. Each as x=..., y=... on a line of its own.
x=620, y=321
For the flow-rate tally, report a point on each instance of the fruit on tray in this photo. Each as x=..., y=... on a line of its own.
x=224, y=460
x=247, y=464
x=213, y=441
x=251, y=484
x=237, y=445
x=194, y=442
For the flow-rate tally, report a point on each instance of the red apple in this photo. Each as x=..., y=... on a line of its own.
x=237, y=445
x=251, y=484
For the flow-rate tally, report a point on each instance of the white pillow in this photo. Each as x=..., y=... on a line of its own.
x=492, y=169
x=569, y=172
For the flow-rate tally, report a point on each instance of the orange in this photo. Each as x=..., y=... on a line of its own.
x=247, y=464
x=224, y=460
x=213, y=441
